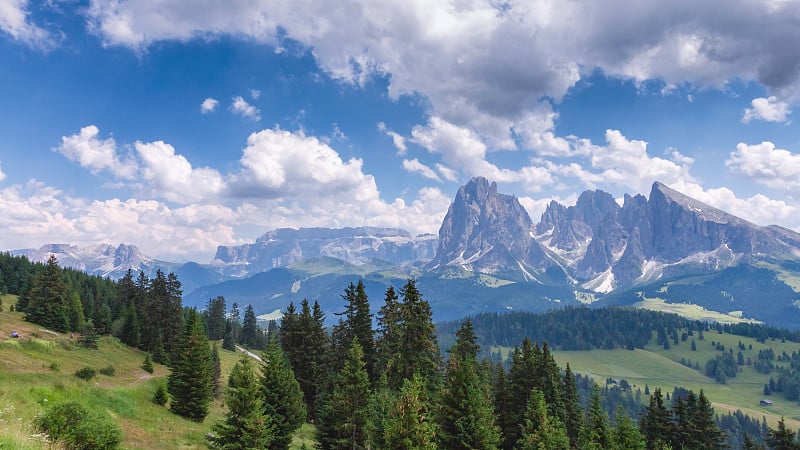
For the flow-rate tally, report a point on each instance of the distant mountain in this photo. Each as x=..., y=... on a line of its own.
x=488, y=232
x=103, y=260
x=285, y=246
x=605, y=246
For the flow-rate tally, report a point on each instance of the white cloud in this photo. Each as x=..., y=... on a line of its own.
x=240, y=106
x=398, y=140
x=414, y=166
x=255, y=94
x=446, y=172
x=2, y=174
x=767, y=109
x=35, y=214
x=96, y=154
x=209, y=105
x=15, y=20
x=171, y=176
x=763, y=163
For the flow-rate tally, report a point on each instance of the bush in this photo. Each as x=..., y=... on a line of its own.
x=108, y=371
x=55, y=367
x=76, y=427
x=87, y=373
x=147, y=365
x=161, y=396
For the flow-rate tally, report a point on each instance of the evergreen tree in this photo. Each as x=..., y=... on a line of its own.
x=418, y=351
x=228, y=342
x=245, y=425
x=214, y=318
x=572, y=407
x=251, y=336
x=48, y=299
x=89, y=336
x=283, y=399
x=343, y=415
x=381, y=401
x=308, y=358
x=626, y=435
x=708, y=435
x=189, y=383
x=596, y=435
x=216, y=372
x=466, y=416
x=521, y=381
x=539, y=431
x=408, y=425
x=132, y=330
x=388, y=334
x=782, y=438
x=75, y=312
x=147, y=365
x=355, y=323
x=655, y=423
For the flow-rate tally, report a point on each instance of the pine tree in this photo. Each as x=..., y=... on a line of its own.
x=387, y=346
x=308, y=359
x=189, y=384
x=216, y=372
x=782, y=438
x=132, y=330
x=596, y=435
x=418, y=351
x=147, y=365
x=214, y=318
x=251, y=336
x=409, y=425
x=228, y=342
x=539, y=430
x=466, y=416
x=521, y=380
x=355, y=323
x=708, y=435
x=75, y=312
x=48, y=298
x=381, y=401
x=344, y=412
x=89, y=336
x=626, y=435
x=245, y=425
x=283, y=399
x=572, y=407
x=655, y=423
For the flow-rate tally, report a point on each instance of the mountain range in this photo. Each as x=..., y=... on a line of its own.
x=490, y=256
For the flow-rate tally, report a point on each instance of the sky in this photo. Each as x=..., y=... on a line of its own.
x=181, y=125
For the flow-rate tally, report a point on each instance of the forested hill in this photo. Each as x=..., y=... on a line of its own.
x=583, y=328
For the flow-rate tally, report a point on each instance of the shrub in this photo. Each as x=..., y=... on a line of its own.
x=108, y=371
x=55, y=367
x=77, y=427
x=161, y=396
x=87, y=373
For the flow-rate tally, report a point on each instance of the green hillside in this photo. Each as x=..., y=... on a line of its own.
x=656, y=367
x=37, y=369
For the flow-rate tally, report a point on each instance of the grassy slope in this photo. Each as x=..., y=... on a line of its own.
x=37, y=371
x=657, y=367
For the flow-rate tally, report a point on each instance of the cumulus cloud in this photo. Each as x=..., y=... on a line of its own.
x=240, y=106
x=34, y=214
x=171, y=175
x=480, y=81
x=414, y=166
x=209, y=105
x=763, y=163
x=2, y=174
x=15, y=21
x=96, y=154
x=398, y=140
x=446, y=172
x=767, y=109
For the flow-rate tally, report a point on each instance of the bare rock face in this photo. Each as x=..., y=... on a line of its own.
x=488, y=232
x=102, y=260
x=285, y=246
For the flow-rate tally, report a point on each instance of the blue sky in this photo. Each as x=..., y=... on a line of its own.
x=181, y=125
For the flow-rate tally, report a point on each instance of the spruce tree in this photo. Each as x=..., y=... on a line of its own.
x=709, y=436
x=308, y=358
x=782, y=438
x=521, y=380
x=251, y=336
x=189, y=383
x=283, y=399
x=132, y=330
x=89, y=336
x=387, y=346
x=626, y=435
x=655, y=423
x=418, y=351
x=466, y=416
x=540, y=431
x=245, y=425
x=214, y=318
x=343, y=415
x=596, y=435
x=355, y=323
x=216, y=372
x=75, y=312
x=48, y=298
x=147, y=364
x=409, y=424
x=572, y=407
x=228, y=342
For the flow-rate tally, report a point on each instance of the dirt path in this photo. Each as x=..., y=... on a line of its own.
x=142, y=379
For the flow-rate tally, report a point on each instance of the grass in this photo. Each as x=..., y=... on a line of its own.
x=691, y=311
x=37, y=370
x=656, y=367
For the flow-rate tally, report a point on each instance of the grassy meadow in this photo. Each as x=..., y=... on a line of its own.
x=37, y=369
x=656, y=367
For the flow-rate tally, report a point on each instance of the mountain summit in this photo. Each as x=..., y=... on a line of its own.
x=488, y=232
